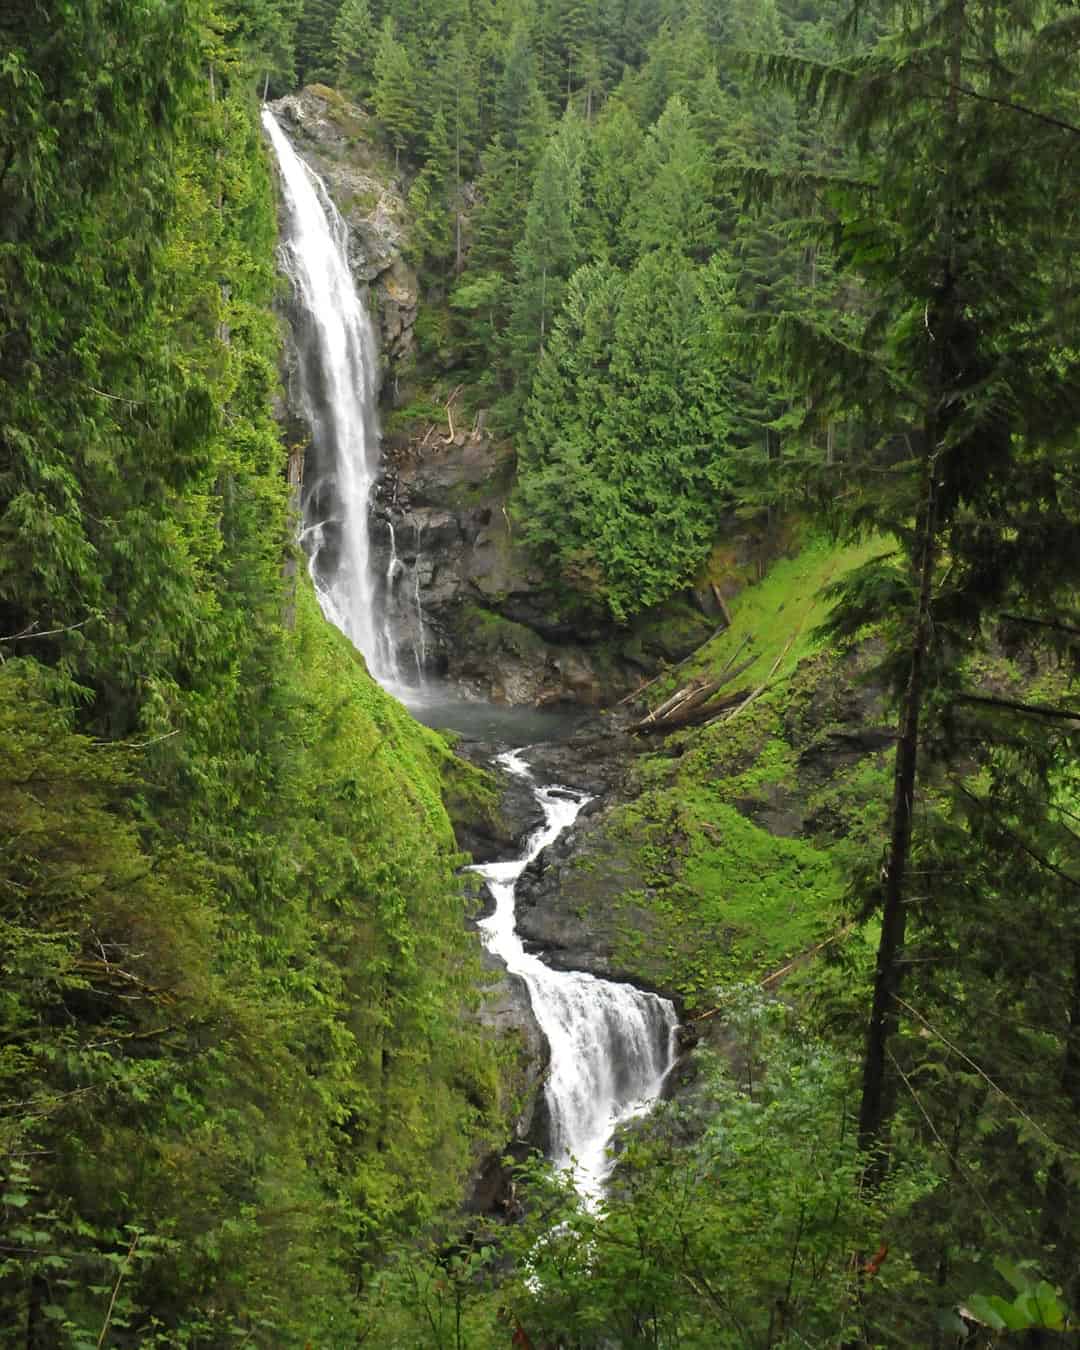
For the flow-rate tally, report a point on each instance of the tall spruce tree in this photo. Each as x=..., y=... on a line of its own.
x=396, y=94
x=958, y=369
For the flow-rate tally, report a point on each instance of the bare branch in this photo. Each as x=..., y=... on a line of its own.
x=1017, y=108
x=1028, y=709
x=32, y=631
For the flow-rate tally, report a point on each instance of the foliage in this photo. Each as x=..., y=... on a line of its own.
x=238, y=1051
x=621, y=474
x=725, y=1226
x=241, y=1075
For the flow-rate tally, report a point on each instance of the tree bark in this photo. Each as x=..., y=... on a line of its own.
x=878, y=1091
x=878, y=1102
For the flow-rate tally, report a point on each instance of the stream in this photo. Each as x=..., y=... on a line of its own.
x=611, y=1044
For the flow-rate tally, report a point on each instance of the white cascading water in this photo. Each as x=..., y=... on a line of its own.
x=338, y=387
x=611, y=1044
x=420, y=648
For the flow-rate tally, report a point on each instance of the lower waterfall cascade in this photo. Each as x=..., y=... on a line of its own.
x=611, y=1044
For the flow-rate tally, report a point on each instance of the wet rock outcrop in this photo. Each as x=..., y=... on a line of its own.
x=472, y=606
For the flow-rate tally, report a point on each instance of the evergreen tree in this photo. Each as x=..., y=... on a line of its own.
x=674, y=206
x=627, y=430
x=455, y=79
x=315, y=58
x=353, y=41
x=395, y=94
x=965, y=367
x=432, y=240
x=521, y=116
x=550, y=247
x=612, y=181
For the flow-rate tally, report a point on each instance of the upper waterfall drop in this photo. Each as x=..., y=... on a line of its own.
x=338, y=379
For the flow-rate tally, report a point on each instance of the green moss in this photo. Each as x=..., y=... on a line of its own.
x=419, y=410
x=384, y=866
x=768, y=893
x=774, y=621
x=363, y=201
x=470, y=795
x=717, y=897
x=731, y=859
x=490, y=633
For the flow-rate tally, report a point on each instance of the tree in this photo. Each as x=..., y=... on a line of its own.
x=521, y=115
x=456, y=81
x=961, y=374
x=673, y=209
x=353, y=42
x=431, y=235
x=395, y=94
x=627, y=430
x=611, y=181
x=550, y=247
x=314, y=44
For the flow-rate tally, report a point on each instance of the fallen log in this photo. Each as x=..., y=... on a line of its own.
x=670, y=670
x=679, y=697
x=721, y=603
x=696, y=692
x=688, y=717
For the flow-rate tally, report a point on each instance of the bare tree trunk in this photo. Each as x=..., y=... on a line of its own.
x=878, y=1090
x=878, y=1101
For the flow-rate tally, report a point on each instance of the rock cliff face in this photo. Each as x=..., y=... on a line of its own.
x=472, y=607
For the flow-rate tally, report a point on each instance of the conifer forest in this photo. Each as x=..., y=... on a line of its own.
x=539, y=674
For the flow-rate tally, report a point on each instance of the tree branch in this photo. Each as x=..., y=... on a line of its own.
x=32, y=631
x=1052, y=624
x=1028, y=709
x=1017, y=108
x=116, y=1290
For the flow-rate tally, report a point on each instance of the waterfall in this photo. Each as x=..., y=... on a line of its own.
x=611, y=1044
x=338, y=385
x=393, y=571
x=420, y=645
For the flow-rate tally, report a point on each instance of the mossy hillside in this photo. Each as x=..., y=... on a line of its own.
x=774, y=620
x=744, y=837
x=730, y=859
x=251, y=996
x=398, y=777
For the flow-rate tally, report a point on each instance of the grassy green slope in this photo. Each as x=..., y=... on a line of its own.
x=729, y=859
